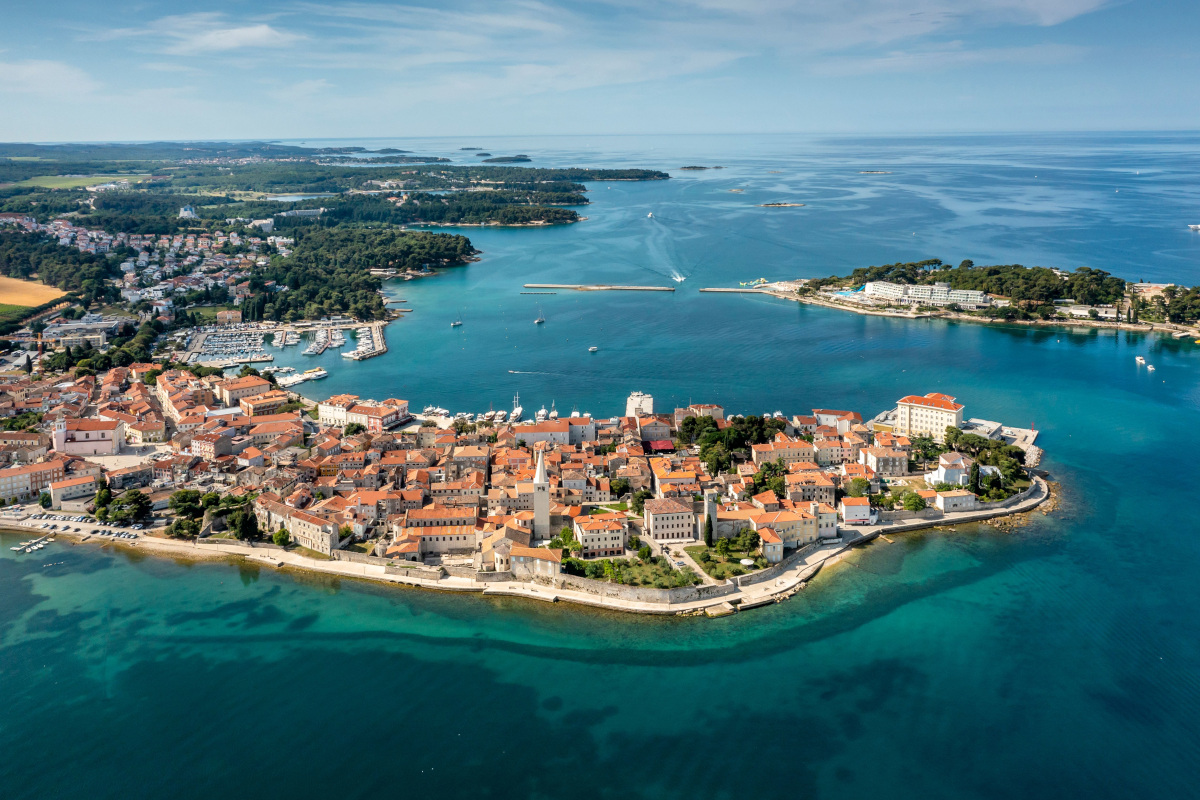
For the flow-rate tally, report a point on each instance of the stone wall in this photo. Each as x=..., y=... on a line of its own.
x=926, y=513
x=461, y=572
x=360, y=558
x=426, y=573
x=644, y=594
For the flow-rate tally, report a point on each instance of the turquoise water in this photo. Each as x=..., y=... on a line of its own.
x=1060, y=659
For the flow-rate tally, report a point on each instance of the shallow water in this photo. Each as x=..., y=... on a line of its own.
x=1057, y=660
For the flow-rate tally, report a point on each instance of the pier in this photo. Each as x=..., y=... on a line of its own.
x=599, y=287
x=738, y=290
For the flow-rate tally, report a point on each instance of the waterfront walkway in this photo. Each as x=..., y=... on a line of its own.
x=801, y=566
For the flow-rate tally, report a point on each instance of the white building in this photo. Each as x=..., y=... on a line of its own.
x=927, y=416
x=89, y=437
x=938, y=294
x=669, y=520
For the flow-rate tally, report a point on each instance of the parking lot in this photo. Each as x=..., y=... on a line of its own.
x=45, y=522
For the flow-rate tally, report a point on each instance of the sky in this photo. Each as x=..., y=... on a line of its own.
x=122, y=70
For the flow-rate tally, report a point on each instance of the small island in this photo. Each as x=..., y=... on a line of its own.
x=780, y=205
x=517, y=159
x=482, y=155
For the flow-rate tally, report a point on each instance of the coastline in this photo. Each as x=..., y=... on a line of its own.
x=764, y=587
x=815, y=300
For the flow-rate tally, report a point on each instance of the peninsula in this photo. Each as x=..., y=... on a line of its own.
x=1006, y=293
x=686, y=512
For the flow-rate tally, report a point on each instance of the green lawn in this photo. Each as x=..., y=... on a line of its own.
x=75, y=181
x=208, y=314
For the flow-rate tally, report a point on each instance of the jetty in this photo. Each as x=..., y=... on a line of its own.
x=736, y=290
x=599, y=287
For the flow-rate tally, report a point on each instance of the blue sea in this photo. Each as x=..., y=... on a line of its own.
x=1059, y=659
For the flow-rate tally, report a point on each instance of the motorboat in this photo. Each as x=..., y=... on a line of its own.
x=501, y=415
x=1140, y=360
x=490, y=415
x=593, y=349
x=542, y=414
x=314, y=374
x=1150, y=367
x=429, y=410
x=553, y=411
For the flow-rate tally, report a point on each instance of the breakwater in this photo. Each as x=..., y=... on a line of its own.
x=599, y=287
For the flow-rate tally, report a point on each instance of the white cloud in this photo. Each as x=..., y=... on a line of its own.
x=949, y=56
x=45, y=77
x=204, y=32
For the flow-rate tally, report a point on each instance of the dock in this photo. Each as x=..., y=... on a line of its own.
x=539, y=292
x=599, y=287
x=736, y=291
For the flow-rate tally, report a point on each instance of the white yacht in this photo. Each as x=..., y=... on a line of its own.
x=1140, y=360
x=1150, y=367
x=553, y=411
x=1194, y=227
x=314, y=374
x=516, y=412
x=593, y=349
x=501, y=415
x=542, y=414
x=429, y=410
x=540, y=317
x=490, y=415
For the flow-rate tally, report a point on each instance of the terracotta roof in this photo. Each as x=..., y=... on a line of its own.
x=933, y=400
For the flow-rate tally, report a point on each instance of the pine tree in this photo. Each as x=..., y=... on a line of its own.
x=708, y=531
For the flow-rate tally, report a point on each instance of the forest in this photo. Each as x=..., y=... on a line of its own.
x=327, y=272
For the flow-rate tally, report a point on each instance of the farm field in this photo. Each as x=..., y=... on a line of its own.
x=14, y=292
x=74, y=181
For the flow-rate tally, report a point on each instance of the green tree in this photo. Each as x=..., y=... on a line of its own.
x=131, y=506
x=186, y=503
x=973, y=478
x=619, y=487
x=44, y=500
x=913, y=502
x=281, y=537
x=28, y=365
x=243, y=524
x=638, y=504
x=723, y=547
x=952, y=434
x=858, y=487
x=923, y=446
x=353, y=428
x=708, y=531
